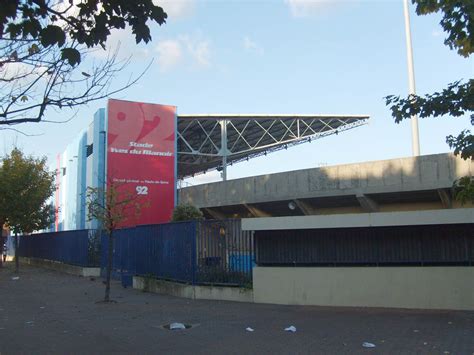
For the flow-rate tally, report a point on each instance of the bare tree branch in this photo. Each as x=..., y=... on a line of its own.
x=20, y=132
x=45, y=52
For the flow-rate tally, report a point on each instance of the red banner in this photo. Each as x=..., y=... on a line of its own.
x=141, y=158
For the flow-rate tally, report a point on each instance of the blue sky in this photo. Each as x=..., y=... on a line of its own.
x=283, y=56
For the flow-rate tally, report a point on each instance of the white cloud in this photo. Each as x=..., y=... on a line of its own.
x=122, y=40
x=176, y=8
x=304, y=8
x=170, y=54
x=437, y=33
x=200, y=53
x=193, y=51
x=252, y=46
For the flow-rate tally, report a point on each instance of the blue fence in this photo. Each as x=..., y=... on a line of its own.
x=195, y=252
x=71, y=247
x=164, y=250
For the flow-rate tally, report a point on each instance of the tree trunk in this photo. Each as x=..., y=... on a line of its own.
x=17, y=261
x=110, y=252
x=2, y=242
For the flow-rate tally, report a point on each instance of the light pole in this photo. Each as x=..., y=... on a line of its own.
x=415, y=143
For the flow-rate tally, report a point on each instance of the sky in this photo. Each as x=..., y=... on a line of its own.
x=280, y=56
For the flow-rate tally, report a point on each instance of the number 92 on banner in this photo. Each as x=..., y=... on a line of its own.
x=141, y=190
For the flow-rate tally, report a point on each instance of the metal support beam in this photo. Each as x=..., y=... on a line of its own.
x=305, y=207
x=445, y=198
x=367, y=204
x=203, y=140
x=224, y=150
x=215, y=214
x=256, y=212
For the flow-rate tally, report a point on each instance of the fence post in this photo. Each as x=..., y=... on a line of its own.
x=194, y=235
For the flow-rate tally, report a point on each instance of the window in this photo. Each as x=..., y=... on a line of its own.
x=89, y=149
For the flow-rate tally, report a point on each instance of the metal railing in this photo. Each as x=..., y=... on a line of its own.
x=225, y=253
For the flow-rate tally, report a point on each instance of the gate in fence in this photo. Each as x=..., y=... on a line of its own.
x=225, y=253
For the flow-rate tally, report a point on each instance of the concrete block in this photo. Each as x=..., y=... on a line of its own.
x=221, y=293
x=61, y=267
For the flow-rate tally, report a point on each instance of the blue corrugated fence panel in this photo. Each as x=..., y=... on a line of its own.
x=70, y=247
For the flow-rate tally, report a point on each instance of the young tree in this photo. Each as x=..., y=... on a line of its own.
x=26, y=185
x=458, y=98
x=111, y=207
x=42, y=43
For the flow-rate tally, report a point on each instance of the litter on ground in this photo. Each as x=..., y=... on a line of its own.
x=177, y=326
x=366, y=344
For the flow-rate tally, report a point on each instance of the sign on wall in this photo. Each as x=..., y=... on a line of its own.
x=141, y=157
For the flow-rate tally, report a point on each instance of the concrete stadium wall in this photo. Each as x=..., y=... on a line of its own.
x=395, y=175
x=394, y=287
x=221, y=293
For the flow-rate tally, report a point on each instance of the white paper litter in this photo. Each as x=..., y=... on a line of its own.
x=14, y=278
x=177, y=326
x=291, y=328
x=249, y=329
x=368, y=345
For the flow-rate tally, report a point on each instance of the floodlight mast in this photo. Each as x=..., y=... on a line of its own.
x=415, y=143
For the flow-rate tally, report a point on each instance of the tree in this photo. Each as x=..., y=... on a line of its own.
x=186, y=212
x=111, y=207
x=458, y=98
x=43, y=42
x=26, y=185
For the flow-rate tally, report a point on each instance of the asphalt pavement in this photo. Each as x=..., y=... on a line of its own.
x=47, y=312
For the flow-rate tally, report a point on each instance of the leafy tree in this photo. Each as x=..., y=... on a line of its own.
x=111, y=207
x=43, y=42
x=186, y=212
x=26, y=185
x=457, y=99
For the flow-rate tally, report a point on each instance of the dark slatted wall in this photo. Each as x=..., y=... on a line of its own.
x=400, y=245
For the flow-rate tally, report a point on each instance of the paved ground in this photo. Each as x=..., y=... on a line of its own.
x=46, y=312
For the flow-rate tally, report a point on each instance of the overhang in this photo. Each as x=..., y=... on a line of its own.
x=209, y=141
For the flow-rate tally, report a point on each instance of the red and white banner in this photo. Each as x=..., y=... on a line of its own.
x=141, y=157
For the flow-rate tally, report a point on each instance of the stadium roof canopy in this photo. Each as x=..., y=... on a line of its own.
x=213, y=141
